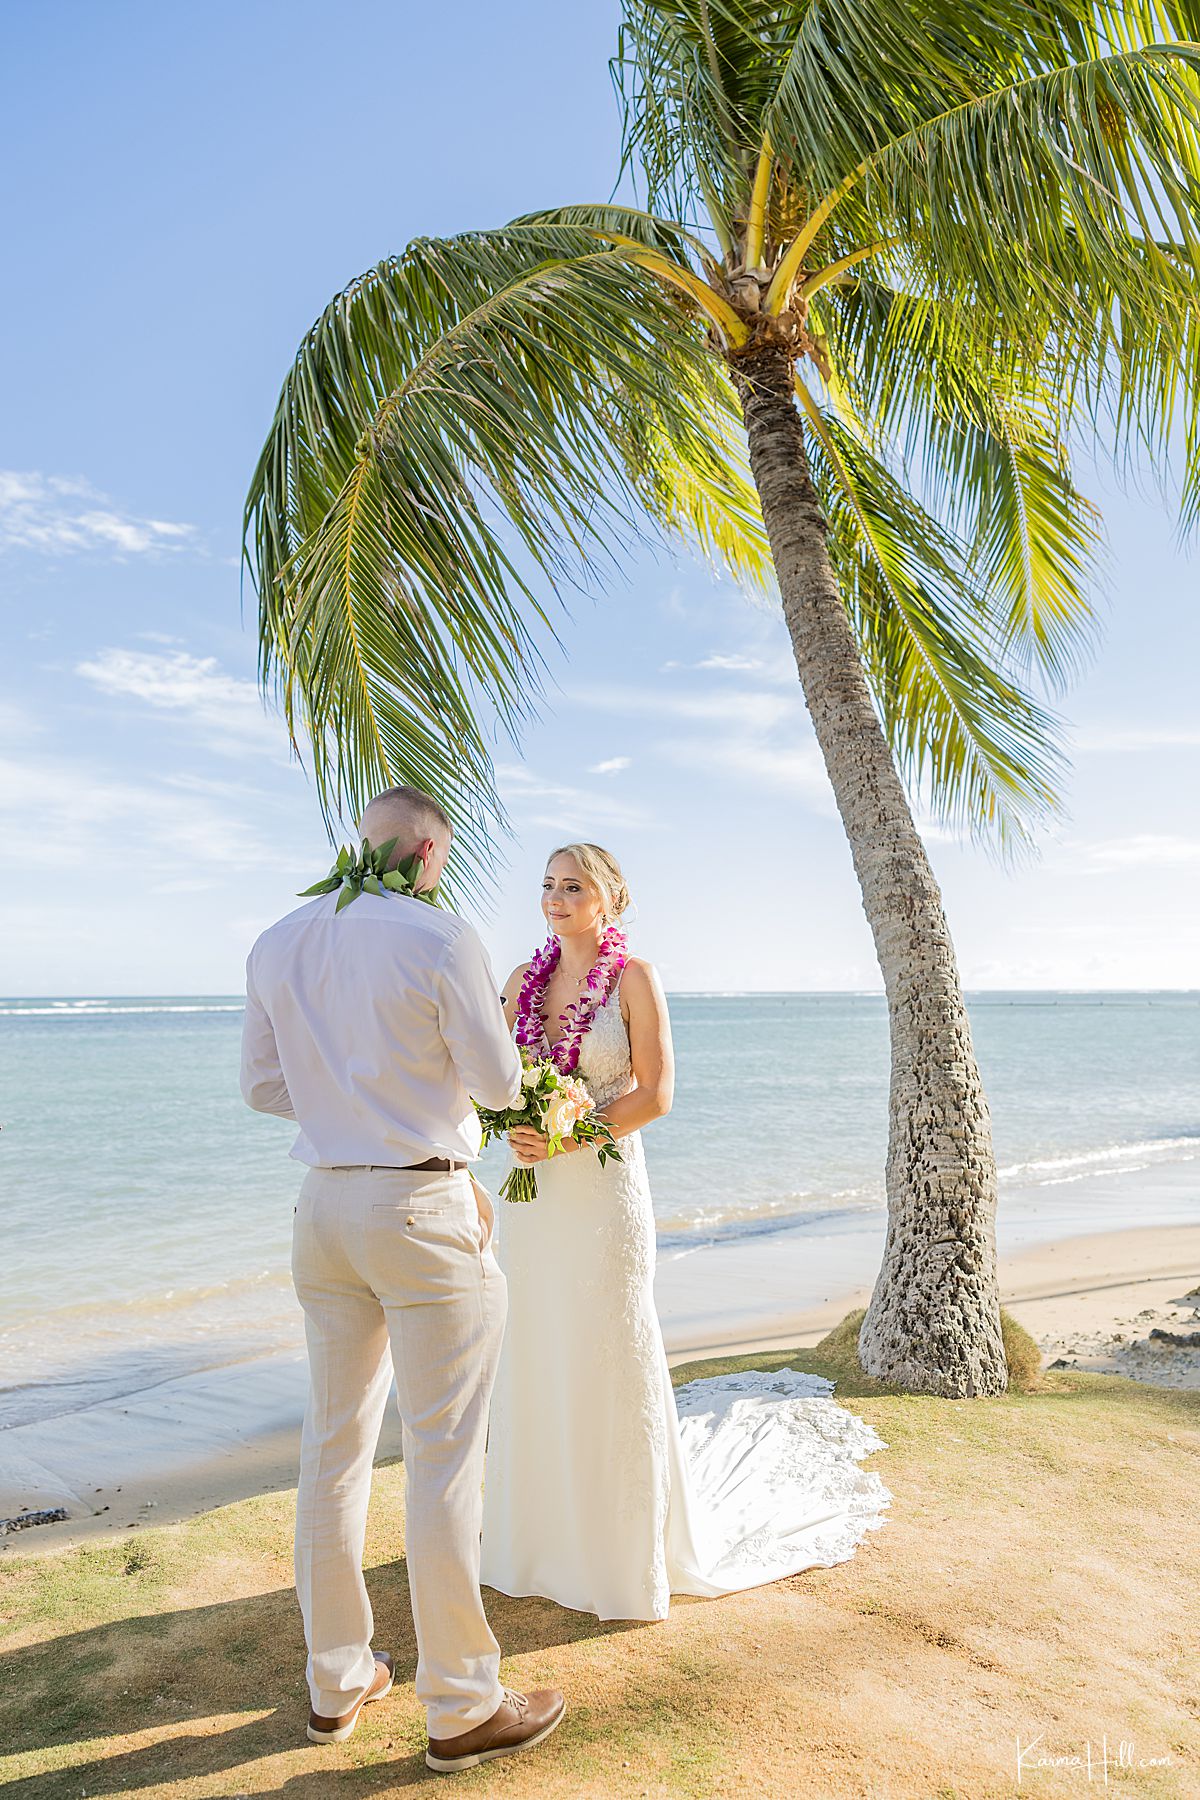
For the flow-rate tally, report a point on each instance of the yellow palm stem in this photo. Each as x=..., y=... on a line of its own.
x=823, y=277
x=706, y=298
x=793, y=257
x=756, y=223
x=712, y=304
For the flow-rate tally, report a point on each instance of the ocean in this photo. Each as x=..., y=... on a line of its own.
x=147, y=1211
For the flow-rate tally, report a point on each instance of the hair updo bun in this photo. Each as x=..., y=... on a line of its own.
x=601, y=869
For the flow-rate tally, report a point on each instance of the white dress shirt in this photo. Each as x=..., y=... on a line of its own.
x=375, y=1030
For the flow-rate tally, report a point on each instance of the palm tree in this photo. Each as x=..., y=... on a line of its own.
x=891, y=255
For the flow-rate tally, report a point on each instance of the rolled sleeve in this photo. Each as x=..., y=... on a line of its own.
x=472, y=1023
x=262, y=1082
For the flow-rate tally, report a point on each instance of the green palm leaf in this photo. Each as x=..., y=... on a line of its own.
x=965, y=192
x=1035, y=539
x=981, y=225
x=952, y=715
x=913, y=374
x=523, y=384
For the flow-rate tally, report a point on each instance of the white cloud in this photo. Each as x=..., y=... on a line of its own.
x=612, y=765
x=743, y=759
x=735, y=663
x=61, y=515
x=1156, y=849
x=780, y=668
x=1138, y=737
x=228, y=707
x=749, y=735
x=221, y=790
x=730, y=705
x=108, y=823
x=535, y=800
x=16, y=723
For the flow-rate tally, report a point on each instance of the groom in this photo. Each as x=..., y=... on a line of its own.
x=373, y=1028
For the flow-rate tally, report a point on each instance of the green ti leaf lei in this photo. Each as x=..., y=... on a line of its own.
x=368, y=872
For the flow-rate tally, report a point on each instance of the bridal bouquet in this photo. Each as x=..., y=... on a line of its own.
x=555, y=1103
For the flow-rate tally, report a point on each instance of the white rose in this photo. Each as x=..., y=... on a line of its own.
x=530, y=1078
x=560, y=1117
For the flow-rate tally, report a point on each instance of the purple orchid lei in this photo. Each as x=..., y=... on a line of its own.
x=531, y=1029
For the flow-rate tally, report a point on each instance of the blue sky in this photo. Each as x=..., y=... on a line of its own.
x=195, y=184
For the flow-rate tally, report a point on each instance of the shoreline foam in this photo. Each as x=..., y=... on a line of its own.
x=197, y=1441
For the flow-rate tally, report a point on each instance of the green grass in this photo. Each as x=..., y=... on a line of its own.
x=1037, y=1574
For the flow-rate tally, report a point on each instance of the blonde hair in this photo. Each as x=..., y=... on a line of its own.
x=601, y=868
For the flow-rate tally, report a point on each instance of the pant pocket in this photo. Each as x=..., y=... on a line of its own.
x=486, y=1207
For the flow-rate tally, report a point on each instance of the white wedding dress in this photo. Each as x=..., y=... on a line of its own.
x=606, y=1490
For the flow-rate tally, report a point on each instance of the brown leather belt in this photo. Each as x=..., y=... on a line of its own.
x=442, y=1164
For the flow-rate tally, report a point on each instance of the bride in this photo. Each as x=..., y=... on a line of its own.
x=604, y=1490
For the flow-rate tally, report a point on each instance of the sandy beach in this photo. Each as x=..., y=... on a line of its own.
x=198, y=1441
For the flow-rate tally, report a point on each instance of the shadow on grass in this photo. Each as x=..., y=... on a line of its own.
x=208, y=1664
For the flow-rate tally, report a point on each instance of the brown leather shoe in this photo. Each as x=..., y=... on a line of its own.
x=518, y=1723
x=333, y=1731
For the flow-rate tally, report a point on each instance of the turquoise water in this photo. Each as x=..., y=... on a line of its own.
x=147, y=1211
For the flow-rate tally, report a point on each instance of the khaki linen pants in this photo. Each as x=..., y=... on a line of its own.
x=393, y=1279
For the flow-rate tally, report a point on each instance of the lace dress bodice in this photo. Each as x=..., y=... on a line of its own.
x=604, y=1059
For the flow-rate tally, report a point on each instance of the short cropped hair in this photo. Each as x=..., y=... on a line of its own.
x=423, y=808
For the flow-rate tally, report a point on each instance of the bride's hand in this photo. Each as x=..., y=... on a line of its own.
x=529, y=1145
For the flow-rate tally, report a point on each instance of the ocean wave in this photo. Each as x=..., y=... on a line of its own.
x=100, y=1009
x=776, y=993
x=1048, y=1171
x=116, y=1316
x=678, y=1236
x=126, y=1372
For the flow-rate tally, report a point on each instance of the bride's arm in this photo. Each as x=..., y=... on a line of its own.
x=650, y=1052
x=511, y=992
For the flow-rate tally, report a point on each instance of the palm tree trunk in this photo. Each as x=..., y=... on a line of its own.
x=934, y=1320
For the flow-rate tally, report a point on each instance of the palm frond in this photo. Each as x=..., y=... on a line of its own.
x=1043, y=205
x=462, y=419
x=956, y=720
x=991, y=455
x=1035, y=539
x=629, y=223
x=856, y=78
x=700, y=489
x=693, y=78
